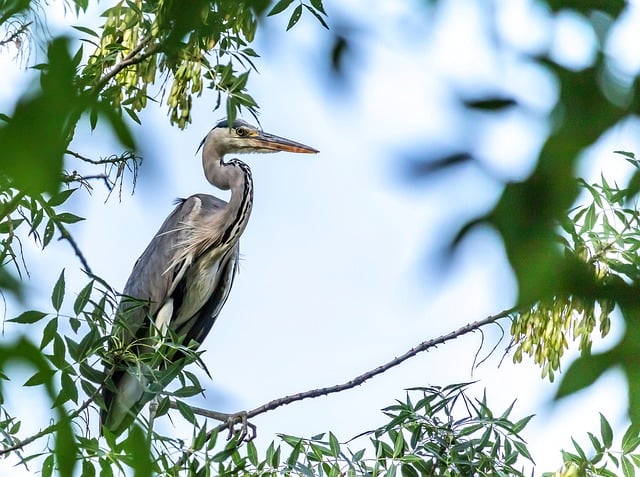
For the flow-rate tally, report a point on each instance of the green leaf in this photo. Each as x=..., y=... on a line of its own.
x=521, y=424
x=252, y=453
x=49, y=332
x=186, y=412
x=187, y=391
x=583, y=372
x=163, y=407
x=118, y=125
x=279, y=7
x=83, y=298
x=491, y=104
x=93, y=118
x=295, y=16
x=10, y=225
x=231, y=109
x=317, y=4
x=295, y=454
x=334, y=445
x=88, y=470
x=68, y=218
x=398, y=445
x=240, y=82
x=598, y=447
x=407, y=470
x=626, y=154
x=200, y=439
x=86, y=30
x=69, y=387
x=579, y=450
x=60, y=198
x=75, y=324
x=92, y=374
x=47, y=466
x=59, y=352
x=137, y=447
x=45, y=112
x=318, y=17
x=28, y=317
x=522, y=450
x=630, y=440
x=58, y=292
x=40, y=377
x=628, y=469
x=606, y=432
x=89, y=343
x=49, y=229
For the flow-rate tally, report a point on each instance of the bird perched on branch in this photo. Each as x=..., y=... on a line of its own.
x=182, y=280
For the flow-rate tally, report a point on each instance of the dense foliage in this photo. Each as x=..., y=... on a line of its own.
x=572, y=245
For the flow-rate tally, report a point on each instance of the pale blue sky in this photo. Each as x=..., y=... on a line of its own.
x=339, y=270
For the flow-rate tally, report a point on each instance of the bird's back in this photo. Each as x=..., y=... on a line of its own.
x=164, y=276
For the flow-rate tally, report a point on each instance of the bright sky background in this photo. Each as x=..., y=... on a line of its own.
x=341, y=266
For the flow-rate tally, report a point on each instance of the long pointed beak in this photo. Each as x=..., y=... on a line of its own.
x=271, y=142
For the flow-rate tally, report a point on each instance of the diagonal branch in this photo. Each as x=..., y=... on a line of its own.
x=49, y=429
x=358, y=380
x=64, y=234
x=135, y=56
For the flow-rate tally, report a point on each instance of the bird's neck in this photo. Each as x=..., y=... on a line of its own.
x=233, y=175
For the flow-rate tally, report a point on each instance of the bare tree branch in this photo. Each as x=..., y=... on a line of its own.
x=14, y=36
x=64, y=234
x=135, y=56
x=358, y=380
x=110, y=160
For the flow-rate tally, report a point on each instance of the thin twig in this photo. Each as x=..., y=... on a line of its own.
x=116, y=160
x=84, y=180
x=358, y=380
x=15, y=35
x=64, y=234
x=424, y=346
x=51, y=428
x=132, y=58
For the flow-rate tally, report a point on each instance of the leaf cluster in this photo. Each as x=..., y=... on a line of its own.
x=184, y=47
x=434, y=431
x=604, y=234
x=603, y=457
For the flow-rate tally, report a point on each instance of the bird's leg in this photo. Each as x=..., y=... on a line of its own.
x=238, y=424
x=153, y=407
x=247, y=431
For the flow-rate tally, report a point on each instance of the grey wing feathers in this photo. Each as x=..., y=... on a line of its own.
x=163, y=274
x=150, y=279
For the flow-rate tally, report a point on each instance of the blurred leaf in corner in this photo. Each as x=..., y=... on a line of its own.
x=344, y=55
x=338, y=53
x=426, y=167
x=10, y=283
x=12, y=8
x=585, y=370
x=33, y=142
x=497, y=103
x=586, y=7
x=137, y=446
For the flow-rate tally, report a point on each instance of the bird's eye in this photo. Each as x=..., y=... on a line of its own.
x=241, y=132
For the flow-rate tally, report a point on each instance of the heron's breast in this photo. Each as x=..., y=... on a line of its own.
x=202, y=278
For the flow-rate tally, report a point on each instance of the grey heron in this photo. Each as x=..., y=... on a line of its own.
x=182, y=280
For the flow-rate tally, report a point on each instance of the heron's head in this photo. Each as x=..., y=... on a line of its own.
x=243, y=138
